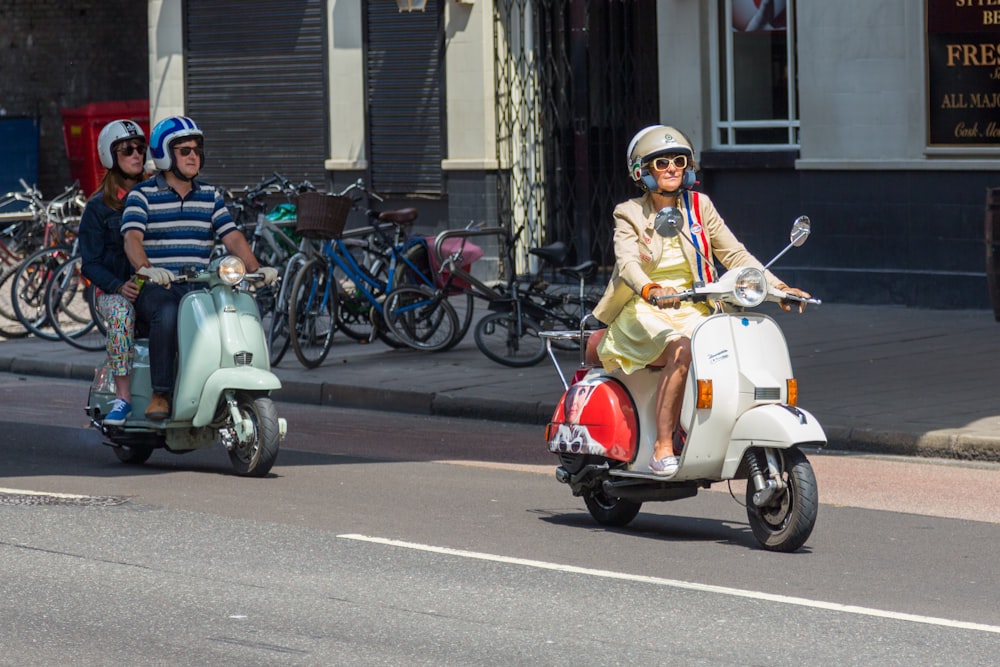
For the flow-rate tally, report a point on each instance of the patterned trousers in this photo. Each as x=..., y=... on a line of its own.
x=119, y=315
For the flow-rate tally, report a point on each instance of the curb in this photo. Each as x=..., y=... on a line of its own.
x=953, y=444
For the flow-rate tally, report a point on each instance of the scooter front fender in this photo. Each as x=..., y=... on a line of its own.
x=246, y=378
x=776, y=426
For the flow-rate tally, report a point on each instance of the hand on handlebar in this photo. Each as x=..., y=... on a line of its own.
x=268, y=274
x=664, y=297
x=158, y=275
x=798, y=298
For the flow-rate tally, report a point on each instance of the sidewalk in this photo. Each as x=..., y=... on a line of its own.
x=882, y=379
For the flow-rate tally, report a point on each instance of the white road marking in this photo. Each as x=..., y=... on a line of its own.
x=674, y=583
x=25, y=492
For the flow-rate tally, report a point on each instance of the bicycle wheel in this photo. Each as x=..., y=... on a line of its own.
x=31, y=280
x=10, y=326
x=559, y=308
x=420, y=318
x=312, y=313
x=275, y=322
x=505, y=340
x=354, y=311
x=70, y=308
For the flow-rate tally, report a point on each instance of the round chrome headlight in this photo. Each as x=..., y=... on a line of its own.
x=231, y=270
x=750, y=288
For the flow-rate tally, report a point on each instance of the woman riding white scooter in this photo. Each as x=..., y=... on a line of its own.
x=646, y=327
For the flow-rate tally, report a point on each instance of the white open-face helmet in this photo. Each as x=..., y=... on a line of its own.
x=113, y=132
x=651, y=142
x=163, y=136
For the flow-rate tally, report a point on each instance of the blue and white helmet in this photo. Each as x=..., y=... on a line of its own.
x=163, y=136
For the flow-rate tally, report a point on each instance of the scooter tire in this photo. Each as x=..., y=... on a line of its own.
x=786, y=524
x=609, y=511
x=133, y=454
x=256, y=458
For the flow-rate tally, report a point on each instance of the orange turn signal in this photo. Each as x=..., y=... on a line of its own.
x=704, y=394
x=793, y=391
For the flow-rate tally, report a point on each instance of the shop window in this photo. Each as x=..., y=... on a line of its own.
x=755, y=94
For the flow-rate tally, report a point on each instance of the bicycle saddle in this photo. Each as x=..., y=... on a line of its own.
x=400, y=215
x=553, y=253
x=581, y=271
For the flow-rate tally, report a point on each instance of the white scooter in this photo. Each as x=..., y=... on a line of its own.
x=740, y=411
x=223, y=385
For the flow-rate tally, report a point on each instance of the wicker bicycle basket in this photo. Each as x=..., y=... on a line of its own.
x=321, y=216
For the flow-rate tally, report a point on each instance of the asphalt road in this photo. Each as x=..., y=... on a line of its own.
x=395, y=539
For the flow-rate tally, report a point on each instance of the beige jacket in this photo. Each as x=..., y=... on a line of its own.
x=638, y=248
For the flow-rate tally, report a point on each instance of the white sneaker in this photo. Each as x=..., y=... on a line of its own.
x=665, y=467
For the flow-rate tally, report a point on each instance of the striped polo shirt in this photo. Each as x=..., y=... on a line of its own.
x=177, y=233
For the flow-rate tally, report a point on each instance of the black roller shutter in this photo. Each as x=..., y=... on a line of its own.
x=404, y=74
x=255, y=82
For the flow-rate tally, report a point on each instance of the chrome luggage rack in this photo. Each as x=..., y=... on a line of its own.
x=581, y=335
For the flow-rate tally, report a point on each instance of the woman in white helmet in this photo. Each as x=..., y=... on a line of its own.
x=121, y=145
x=645, y=326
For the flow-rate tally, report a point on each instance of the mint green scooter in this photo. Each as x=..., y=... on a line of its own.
x=223, y=387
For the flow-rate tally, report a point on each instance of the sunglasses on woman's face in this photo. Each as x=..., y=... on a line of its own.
x=186, y=150
x=129, y=149
x=661, y=163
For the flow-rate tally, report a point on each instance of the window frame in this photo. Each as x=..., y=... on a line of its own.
x=724, y=125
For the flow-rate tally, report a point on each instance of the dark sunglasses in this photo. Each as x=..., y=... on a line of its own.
x=661, y=163
x=128, y=149
x=186, y=150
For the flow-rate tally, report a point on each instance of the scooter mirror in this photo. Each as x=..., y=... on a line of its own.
x=800, y=230
x=667, y=222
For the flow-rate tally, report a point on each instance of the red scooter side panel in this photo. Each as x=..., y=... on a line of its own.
x=595, y=417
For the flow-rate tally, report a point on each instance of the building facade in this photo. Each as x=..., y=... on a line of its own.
x=878, y=119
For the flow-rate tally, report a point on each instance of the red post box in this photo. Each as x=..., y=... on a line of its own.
x=81, y=127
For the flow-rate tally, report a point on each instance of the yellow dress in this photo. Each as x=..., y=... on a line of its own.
x=641, y=331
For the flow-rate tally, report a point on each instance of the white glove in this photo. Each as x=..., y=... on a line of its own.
x=269, y=273
x=158, y=275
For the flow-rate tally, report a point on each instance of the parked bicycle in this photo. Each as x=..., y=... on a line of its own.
x=509, y=334
x=354, y=275
x=28, y=283
x=274, y=242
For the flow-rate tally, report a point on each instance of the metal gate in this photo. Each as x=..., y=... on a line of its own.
x=575, y=79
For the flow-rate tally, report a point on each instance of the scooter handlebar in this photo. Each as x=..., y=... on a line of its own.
x=713, y=291
x=802, y=299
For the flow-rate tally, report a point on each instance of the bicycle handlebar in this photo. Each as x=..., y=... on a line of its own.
x=465, y=233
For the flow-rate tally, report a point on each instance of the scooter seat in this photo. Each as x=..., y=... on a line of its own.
x=590, y=357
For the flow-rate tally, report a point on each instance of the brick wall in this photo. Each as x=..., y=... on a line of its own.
x=56, y=55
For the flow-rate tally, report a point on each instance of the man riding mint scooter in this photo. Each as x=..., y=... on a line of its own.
x=170, y=224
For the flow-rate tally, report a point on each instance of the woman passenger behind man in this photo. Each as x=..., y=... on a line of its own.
x=646, y=327
x=121, y=147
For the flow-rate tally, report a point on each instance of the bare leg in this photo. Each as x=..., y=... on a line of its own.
x=676, y=360
x=123, y=387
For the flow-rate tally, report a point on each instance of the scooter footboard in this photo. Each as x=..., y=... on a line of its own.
x=776, y=426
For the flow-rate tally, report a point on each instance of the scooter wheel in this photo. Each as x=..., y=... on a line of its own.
x=133, y=454
x=609, y=511
x=786, y=522
x=255, y=457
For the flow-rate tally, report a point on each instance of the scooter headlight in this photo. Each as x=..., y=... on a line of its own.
x=750, y=288
x=232, y=270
